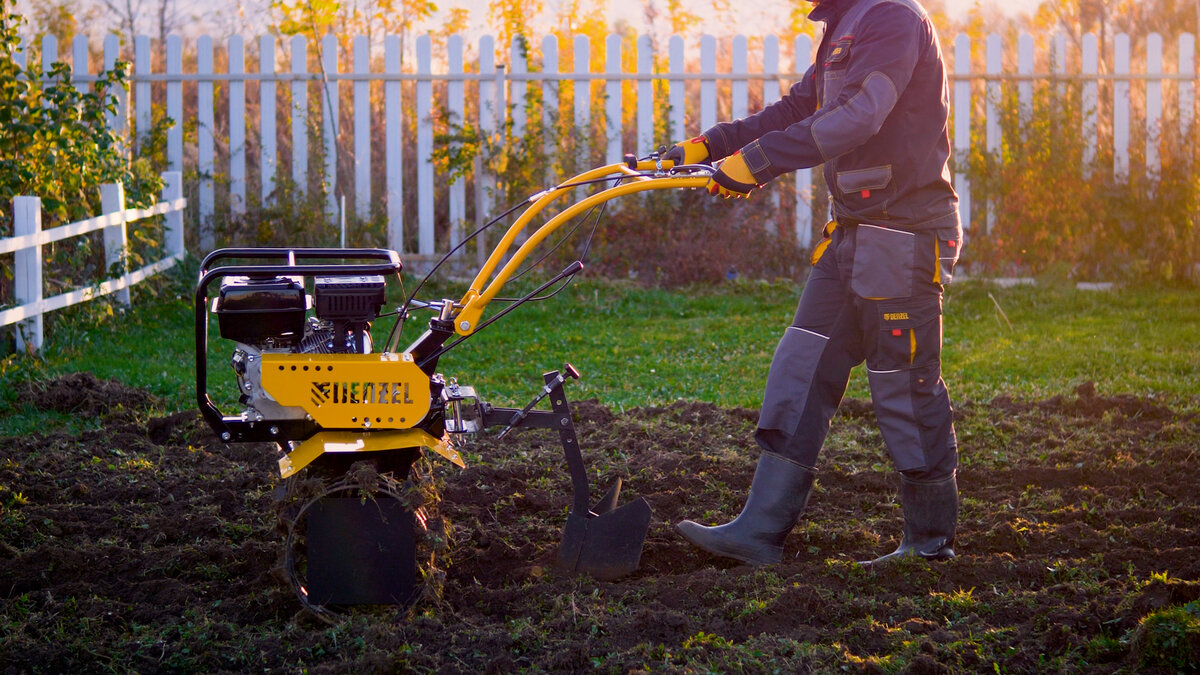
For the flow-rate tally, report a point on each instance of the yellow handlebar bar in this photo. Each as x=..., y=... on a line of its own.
x=477, y=298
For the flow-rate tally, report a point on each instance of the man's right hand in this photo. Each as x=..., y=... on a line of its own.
x=692, y=151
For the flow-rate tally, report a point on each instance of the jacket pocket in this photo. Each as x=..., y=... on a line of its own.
x=870, y=188
x=883, y=262
x=857, y=180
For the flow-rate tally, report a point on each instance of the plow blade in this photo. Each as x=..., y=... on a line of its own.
x=606, y=542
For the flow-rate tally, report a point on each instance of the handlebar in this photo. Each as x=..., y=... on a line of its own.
x=652, y=174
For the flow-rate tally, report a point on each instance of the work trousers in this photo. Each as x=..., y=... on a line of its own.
x=874, y=295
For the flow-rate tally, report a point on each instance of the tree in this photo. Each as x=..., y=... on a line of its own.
x=511, y=19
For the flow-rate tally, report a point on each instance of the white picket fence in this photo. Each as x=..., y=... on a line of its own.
x=29, y=238
x=502, y=88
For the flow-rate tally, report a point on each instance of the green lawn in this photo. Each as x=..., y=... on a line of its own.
x=638, y=347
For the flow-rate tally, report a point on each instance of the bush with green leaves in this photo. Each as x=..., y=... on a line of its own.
x=1061, y=213
x=1170, y=638
x=55, y=144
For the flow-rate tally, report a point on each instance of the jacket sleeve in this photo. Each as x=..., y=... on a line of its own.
x=799, y=103
x=880, y=64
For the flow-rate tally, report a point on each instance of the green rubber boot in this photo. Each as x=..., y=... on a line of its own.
x=930, y=518
x=777, y=497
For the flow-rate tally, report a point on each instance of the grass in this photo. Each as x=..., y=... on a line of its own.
x=639, y=347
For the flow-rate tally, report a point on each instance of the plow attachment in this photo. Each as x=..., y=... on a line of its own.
x=604, y=541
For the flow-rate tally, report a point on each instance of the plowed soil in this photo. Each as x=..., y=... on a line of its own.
x=142, y=543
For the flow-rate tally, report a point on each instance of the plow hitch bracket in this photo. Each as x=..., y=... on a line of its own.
x=602, y=541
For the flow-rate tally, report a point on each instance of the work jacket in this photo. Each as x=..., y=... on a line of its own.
x=874, y=109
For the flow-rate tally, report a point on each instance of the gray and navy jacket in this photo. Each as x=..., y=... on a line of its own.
x=874, y=109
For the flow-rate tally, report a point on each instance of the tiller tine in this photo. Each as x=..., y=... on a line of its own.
x=604, y=542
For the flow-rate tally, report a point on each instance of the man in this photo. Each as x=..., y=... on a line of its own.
x=874, y=110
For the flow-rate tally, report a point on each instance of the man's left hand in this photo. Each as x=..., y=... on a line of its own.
x=732, y=178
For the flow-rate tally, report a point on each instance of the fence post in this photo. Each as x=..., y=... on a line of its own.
x=583, y=99
x=801, y=59
x=708, y=87
x=329, y=115
x=1121, y=108
x=1025, y=86
x=613, y=106
x=550, y=106
x=112, y=202
x=1090, y=105
x=1187, y=89
x=173, y=226
x=771, y=70
x=237, y=126
x=175, y=103
x=490, y=112
x=27, y=264
x=739, y=87
x=1058, y=62
x=676, y=89
x=267, y=156
x=49, y=55
x=118, y=119
x=962, y=127
x=1154, y=105
x=425, y=243
x=994, y=141
x=519, y=65
x=80, y=66
x=394, y=144
x=770, y=89
x=142, y=115
x=205, y=155
x=645, y=97
x=456, y=104
x=300, y=115
x=362, y=130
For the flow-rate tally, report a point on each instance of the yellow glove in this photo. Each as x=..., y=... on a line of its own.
x=694, y=151
x=732, y=178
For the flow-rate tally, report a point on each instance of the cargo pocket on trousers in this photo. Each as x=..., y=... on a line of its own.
x=790, y=379
x=895, y=410
x=909, y=333
x=903, y=353
x=883, y=262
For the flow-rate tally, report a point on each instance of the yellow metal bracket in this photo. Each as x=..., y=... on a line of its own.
x=359, y=441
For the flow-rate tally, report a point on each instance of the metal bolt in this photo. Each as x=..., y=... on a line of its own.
x=274, y=430
x=465, y=325
x=225, y=436
x=564, y=421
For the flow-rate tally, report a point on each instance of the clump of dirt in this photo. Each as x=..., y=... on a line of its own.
x=148, y=545
x=84, y=394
